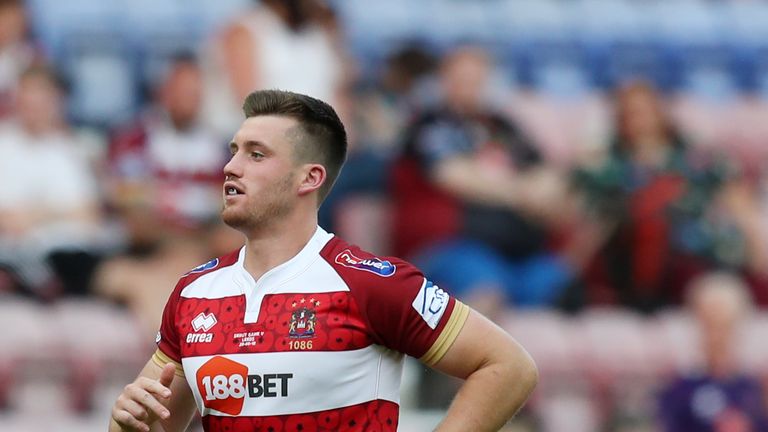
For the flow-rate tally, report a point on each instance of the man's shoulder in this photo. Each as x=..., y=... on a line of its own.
x=359, y=267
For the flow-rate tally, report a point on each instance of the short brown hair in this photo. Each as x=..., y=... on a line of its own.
x=322, y=137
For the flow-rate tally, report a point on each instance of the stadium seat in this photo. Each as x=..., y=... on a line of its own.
x=28, y=341
x=675, y=333
x=35, y=422
x=567, y=131
x=27, y=330
x=99, y=329
x=96, y=339
x=617, y=345
x=572, y=412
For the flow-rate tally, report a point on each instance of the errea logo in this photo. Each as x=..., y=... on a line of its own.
x=202, y=322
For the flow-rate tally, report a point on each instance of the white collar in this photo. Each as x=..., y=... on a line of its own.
x=282, y=272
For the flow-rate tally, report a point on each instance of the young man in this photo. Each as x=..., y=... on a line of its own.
x=299, y=330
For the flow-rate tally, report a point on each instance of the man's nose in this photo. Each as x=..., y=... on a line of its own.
x=233, y=168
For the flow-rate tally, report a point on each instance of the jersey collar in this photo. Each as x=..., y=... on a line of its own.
x=285, y=271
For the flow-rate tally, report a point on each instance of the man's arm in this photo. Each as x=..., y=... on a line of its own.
x=156, y=394
x=499, y=373
x=538, y=191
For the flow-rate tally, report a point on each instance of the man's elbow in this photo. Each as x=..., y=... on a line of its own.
x=523, y=371
x=530, y=375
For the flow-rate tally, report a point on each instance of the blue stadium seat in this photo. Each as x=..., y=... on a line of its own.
x=614, y=62
x=101, y=70
x=558, y=67
x=705, y=70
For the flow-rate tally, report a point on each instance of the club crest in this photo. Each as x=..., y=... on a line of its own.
x=303, y=319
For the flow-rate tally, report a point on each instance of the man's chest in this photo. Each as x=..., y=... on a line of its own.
x=300, y=343
x=287, y=322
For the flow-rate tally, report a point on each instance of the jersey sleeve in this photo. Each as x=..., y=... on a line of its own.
x=168, y=348
x=408, y=313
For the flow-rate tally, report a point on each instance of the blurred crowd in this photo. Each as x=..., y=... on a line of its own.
x=449, y=167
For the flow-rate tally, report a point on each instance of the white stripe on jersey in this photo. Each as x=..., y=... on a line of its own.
x=363, y=375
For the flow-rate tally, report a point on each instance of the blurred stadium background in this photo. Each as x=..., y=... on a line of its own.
x=115, y=118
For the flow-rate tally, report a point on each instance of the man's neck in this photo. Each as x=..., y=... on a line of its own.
x=272, y=247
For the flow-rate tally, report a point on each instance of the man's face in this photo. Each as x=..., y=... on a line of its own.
x=38, y=103
x=464, y=78
x=261, y=178
x=182, y=93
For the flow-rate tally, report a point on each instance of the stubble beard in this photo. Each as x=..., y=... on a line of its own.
x=270, y=207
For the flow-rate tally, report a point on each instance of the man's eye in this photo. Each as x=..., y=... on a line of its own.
x=257, y=155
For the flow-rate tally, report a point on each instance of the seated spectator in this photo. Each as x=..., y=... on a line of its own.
x=167, y=161
x=474, y=201
x=383, y=109
x=17, y=53
x=384, y=106
x=143, y=276
x=658, y=201
x=717, y=398
x=740, y=218
x=165, y=176
x=49, y=200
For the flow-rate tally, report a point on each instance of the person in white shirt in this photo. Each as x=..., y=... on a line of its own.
x=49, y=197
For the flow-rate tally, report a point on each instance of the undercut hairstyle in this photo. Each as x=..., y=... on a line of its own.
x=319, y=137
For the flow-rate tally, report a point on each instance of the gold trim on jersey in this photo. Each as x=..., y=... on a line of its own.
x=448, y=336
x=161, y=359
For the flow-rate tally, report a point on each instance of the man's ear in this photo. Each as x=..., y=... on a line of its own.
x=313, y=177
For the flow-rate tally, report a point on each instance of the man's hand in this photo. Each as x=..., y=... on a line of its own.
x=144, y=401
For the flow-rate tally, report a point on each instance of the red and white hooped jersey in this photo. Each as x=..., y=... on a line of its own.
x=316, y=344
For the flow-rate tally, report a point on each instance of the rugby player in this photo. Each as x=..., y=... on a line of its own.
x=299, y=330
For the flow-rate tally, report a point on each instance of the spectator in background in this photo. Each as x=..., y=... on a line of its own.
x=49, y=199
x=143, y=276
x=289, y=45
x=383, y=108
x=719, y=398
x=17, y=53
x=740, y=217
x=667, y=215
x=474, y=201
x=168, y=162
x=165, y=174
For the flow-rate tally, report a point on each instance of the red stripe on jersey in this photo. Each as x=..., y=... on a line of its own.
x=377, y=415
x=287, y=322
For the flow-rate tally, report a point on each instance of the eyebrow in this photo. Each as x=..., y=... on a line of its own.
x=249, y=144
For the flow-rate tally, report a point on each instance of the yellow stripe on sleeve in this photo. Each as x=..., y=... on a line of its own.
x=161, y=359
x=448, y=336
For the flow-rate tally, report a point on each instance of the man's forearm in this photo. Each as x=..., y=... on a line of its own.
x=490, y=397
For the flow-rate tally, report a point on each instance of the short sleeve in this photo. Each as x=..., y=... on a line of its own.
x=408, y=313
x=168, y=349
